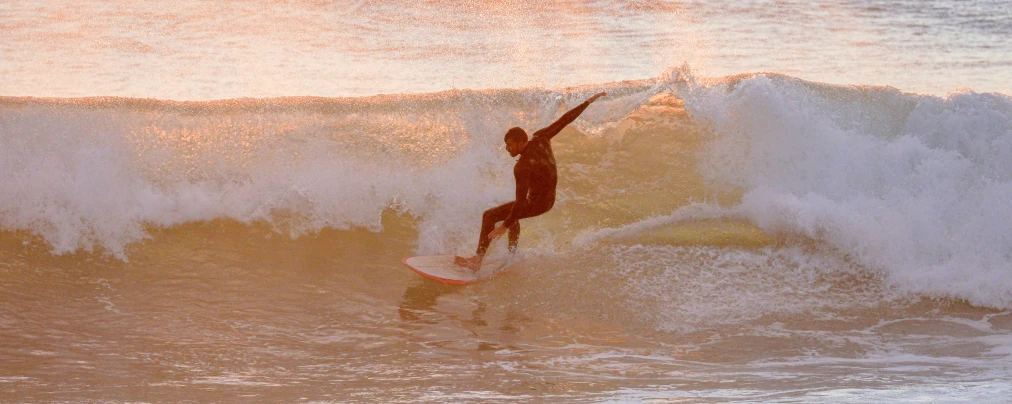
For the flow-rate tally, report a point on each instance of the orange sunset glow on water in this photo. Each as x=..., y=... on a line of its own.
x=290, y=201
x=197, y=50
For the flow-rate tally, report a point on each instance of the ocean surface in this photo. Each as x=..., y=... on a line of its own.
x=777, y=201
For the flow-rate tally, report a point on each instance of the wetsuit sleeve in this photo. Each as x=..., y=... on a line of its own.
x=550, y=131
x=523, y=179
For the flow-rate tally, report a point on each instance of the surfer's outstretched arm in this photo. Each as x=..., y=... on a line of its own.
x=550, y=131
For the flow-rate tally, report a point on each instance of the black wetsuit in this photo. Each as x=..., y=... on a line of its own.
x=536, y=177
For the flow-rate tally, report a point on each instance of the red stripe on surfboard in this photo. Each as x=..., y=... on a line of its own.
x=437, y=278
x=455, y=282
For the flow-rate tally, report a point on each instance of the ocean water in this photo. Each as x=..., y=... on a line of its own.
x=208, y=201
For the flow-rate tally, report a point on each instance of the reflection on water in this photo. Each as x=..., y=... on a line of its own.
x=420, y=298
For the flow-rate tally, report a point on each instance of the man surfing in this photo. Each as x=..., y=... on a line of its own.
x=536, y=176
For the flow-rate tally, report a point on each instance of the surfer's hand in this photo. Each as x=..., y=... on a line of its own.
x=596, y=96
x=495, y=233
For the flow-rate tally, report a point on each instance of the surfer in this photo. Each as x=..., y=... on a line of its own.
x=536, y=177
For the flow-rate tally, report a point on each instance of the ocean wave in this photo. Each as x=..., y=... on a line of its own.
x=915, y=186
x=86, y=173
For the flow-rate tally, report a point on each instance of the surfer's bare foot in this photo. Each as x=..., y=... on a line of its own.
x=473, y=263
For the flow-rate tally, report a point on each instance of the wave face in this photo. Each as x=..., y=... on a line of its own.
x=914, y=187
x=85, y=173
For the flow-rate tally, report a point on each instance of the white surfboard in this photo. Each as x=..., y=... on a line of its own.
x=441, y=268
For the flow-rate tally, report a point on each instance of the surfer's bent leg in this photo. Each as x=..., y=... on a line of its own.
x=514, y=236
x=499, y=213
x=488, y=222
x=530, y=211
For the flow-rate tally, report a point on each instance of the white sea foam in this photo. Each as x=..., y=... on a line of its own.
x=682, y=289
x=919, y=186
x=691, y=212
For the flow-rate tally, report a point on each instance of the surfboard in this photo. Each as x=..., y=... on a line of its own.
x=441, y=268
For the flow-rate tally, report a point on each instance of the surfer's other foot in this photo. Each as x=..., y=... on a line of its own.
x=473, y=263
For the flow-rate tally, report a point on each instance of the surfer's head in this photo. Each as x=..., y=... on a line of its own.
x=516, y=140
